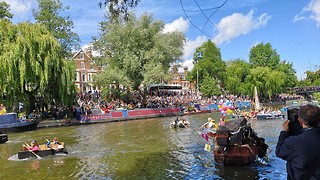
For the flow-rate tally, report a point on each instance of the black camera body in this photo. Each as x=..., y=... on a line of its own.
x=294, y=126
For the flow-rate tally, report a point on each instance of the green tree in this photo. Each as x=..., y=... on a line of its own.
x=48, y=14
x=117, y=8
x=291, y=78
x=32, y=69
x=312, y=79
x=209, y=86
x=236, y=72
x=263, y=55
x=207, y=62
x=267, y=81
x=5, y=11
x=133, y=48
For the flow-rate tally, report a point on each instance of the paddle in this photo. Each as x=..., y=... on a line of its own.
x=33, y=152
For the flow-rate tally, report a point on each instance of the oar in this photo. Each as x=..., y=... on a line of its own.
x=33, y=152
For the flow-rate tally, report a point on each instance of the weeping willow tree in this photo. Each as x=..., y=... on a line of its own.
x=32, y=70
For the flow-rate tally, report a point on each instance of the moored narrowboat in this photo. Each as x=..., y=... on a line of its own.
x=10, y=123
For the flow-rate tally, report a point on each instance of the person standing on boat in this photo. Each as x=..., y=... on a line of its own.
x=208, y=128
x=302, y=152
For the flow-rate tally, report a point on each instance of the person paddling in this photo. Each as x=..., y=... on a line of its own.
x=34, y=146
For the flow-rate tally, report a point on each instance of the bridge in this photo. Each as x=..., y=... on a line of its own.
x=305, y=91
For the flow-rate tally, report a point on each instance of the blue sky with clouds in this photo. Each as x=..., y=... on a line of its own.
x=291, y=27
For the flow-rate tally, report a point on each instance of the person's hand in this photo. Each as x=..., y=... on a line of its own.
x=285, y=125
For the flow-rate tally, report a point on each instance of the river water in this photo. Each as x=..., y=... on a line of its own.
x=137, y=149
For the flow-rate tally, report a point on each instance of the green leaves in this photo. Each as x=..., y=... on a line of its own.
x=48, y=14
x=5, y=11
x=32, y=66
x=138, y=50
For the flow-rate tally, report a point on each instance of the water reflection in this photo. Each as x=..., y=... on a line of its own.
x=139, y=149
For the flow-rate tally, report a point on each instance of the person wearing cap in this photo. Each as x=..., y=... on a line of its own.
x=207, y=129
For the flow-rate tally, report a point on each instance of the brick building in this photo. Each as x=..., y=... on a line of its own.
x=179, y=78
x=85, y=69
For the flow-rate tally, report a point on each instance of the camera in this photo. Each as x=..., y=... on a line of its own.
x=294, y=126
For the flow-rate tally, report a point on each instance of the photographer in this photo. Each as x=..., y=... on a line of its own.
x=302, y=151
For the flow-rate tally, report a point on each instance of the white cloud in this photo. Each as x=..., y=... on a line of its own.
x=191, y=45
x=19, y=7
x=89, y=47
x=179, y=25
x=187, y=63
x=188, y=50
x=311, y=11
x=238, y=24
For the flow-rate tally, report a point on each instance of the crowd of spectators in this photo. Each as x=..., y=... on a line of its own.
x=188, y=101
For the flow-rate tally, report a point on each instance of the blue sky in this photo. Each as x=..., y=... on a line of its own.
x=291, y=27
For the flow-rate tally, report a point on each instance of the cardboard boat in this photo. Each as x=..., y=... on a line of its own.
x=44, y=151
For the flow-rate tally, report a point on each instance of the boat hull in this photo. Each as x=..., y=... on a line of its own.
x=3, y=138
x=268, y=116
x=44, y=151
x=41, y=153
x=19, y=127
x=235, y=155
x=9, y=123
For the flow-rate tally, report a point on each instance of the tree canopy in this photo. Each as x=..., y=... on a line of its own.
x=48, y=14
x=32, y=67
x=263, y=55
x=5, y=11
x=208, y=63
x=119, y=8
x=136, y=51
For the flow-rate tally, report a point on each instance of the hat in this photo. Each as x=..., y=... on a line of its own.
x=209, y=118
x=213, y=120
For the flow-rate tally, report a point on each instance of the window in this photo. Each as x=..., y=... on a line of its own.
x=81, y=55
x=83, y=65
x=91, y=65
x=89, y=77
x=83, y=77
x=77, y=76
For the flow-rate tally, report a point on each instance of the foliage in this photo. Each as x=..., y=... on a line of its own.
x=119, y=8
x=209, y=86
x=5, y=11
x=32, y=70
x=262, y=55
x=267, y=81
x=207, y=62
x=236, y=72
x=268, y=73
x=290, y=78
x=136, y=51
x=48, y=14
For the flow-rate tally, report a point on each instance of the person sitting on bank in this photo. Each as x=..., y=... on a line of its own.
x=34, y=146
x=2, y=109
